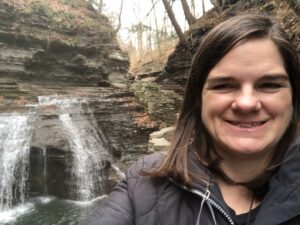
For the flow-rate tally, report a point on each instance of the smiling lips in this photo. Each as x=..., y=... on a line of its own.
x=246, y=124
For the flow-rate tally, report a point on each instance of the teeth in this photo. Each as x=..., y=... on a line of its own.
x=247, y=125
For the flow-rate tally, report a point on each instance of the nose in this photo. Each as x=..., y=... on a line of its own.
x=246, y=100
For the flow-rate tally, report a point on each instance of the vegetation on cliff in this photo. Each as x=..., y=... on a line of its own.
x=73, y=22
x=58, y=42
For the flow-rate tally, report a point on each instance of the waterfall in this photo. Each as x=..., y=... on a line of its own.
x=87, y=144
x=45, y=169
x=88, y=147
x=15, y=136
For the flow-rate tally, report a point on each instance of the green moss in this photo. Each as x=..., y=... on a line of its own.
x=70, y=21
x=38, y=8
x=295, y=4
x=160, y=104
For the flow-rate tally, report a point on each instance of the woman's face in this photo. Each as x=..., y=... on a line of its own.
x=247, y=100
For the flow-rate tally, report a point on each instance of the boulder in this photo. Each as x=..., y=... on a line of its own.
x=160, y=140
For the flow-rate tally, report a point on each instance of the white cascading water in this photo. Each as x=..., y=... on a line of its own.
x=45, y=169
x=15, y=136
x=86, y=142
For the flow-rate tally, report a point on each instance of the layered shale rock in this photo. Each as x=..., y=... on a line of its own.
x=58, y=41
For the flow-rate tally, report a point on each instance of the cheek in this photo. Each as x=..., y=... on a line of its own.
x=205, y=110
x=213, y=108
x=213, y=105
x=280, y=108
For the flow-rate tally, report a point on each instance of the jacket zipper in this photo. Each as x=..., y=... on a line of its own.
x=206, y=196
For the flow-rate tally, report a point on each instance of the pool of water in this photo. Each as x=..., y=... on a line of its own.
x=49, y=211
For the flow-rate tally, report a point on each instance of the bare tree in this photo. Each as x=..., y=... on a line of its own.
x=175, y=23
x=119, y=17
x=203, y=7
x=193, y=8
x=139, y=29
x=187, y=13
x=156, y=27
x=100, y=6
x=149, y=41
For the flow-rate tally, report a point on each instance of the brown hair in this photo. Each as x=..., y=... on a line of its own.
x=190, y=134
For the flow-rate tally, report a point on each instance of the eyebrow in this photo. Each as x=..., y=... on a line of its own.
x=268, y=77
x=276, y=77
x=220, y=79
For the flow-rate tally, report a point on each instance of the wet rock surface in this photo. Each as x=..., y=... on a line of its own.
x=115, y=115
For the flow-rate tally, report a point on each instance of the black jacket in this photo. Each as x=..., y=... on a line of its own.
x=140, y=200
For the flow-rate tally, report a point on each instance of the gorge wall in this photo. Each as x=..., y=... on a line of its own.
x=66, y=51
x=66, y=41
x=176, y=69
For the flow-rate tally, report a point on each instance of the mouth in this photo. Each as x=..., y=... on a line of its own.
x=247, y=124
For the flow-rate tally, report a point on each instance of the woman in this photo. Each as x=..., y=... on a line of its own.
x=234, y=155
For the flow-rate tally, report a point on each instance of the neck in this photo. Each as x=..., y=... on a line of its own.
x=243, y=169
x=237, y=197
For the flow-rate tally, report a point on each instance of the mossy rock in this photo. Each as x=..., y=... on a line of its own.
x=295, y=5
x=161, y=105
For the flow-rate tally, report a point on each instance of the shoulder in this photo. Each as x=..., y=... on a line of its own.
x=145, y=191
x=145, y=163
x=134, y=196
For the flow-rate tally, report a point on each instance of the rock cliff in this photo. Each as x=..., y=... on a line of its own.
x=56, y=47
x=64, y=49
x=58, y=41
x=176, y=69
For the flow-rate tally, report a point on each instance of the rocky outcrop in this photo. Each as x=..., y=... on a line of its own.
x=161, y=105
x=176, y=70
x=296, y=5
x=160, y=140
x=111, y=115
x=58, y=42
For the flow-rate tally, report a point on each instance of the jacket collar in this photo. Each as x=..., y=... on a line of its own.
x=282, y=202
x=196, y=166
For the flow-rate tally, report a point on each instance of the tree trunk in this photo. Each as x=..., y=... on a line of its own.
x=100, y=7
x=193, y=8
x=140, y=40
x=203, y=7
x=175, y=23
x=157, y=31
x=119, y=17
x=187, y=13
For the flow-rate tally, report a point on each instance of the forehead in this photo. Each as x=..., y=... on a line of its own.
x=254, y=57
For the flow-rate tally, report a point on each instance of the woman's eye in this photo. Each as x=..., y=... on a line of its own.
x=223, y=86
x=270, y=86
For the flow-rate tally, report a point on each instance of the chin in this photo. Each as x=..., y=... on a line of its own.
x=251, y=150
